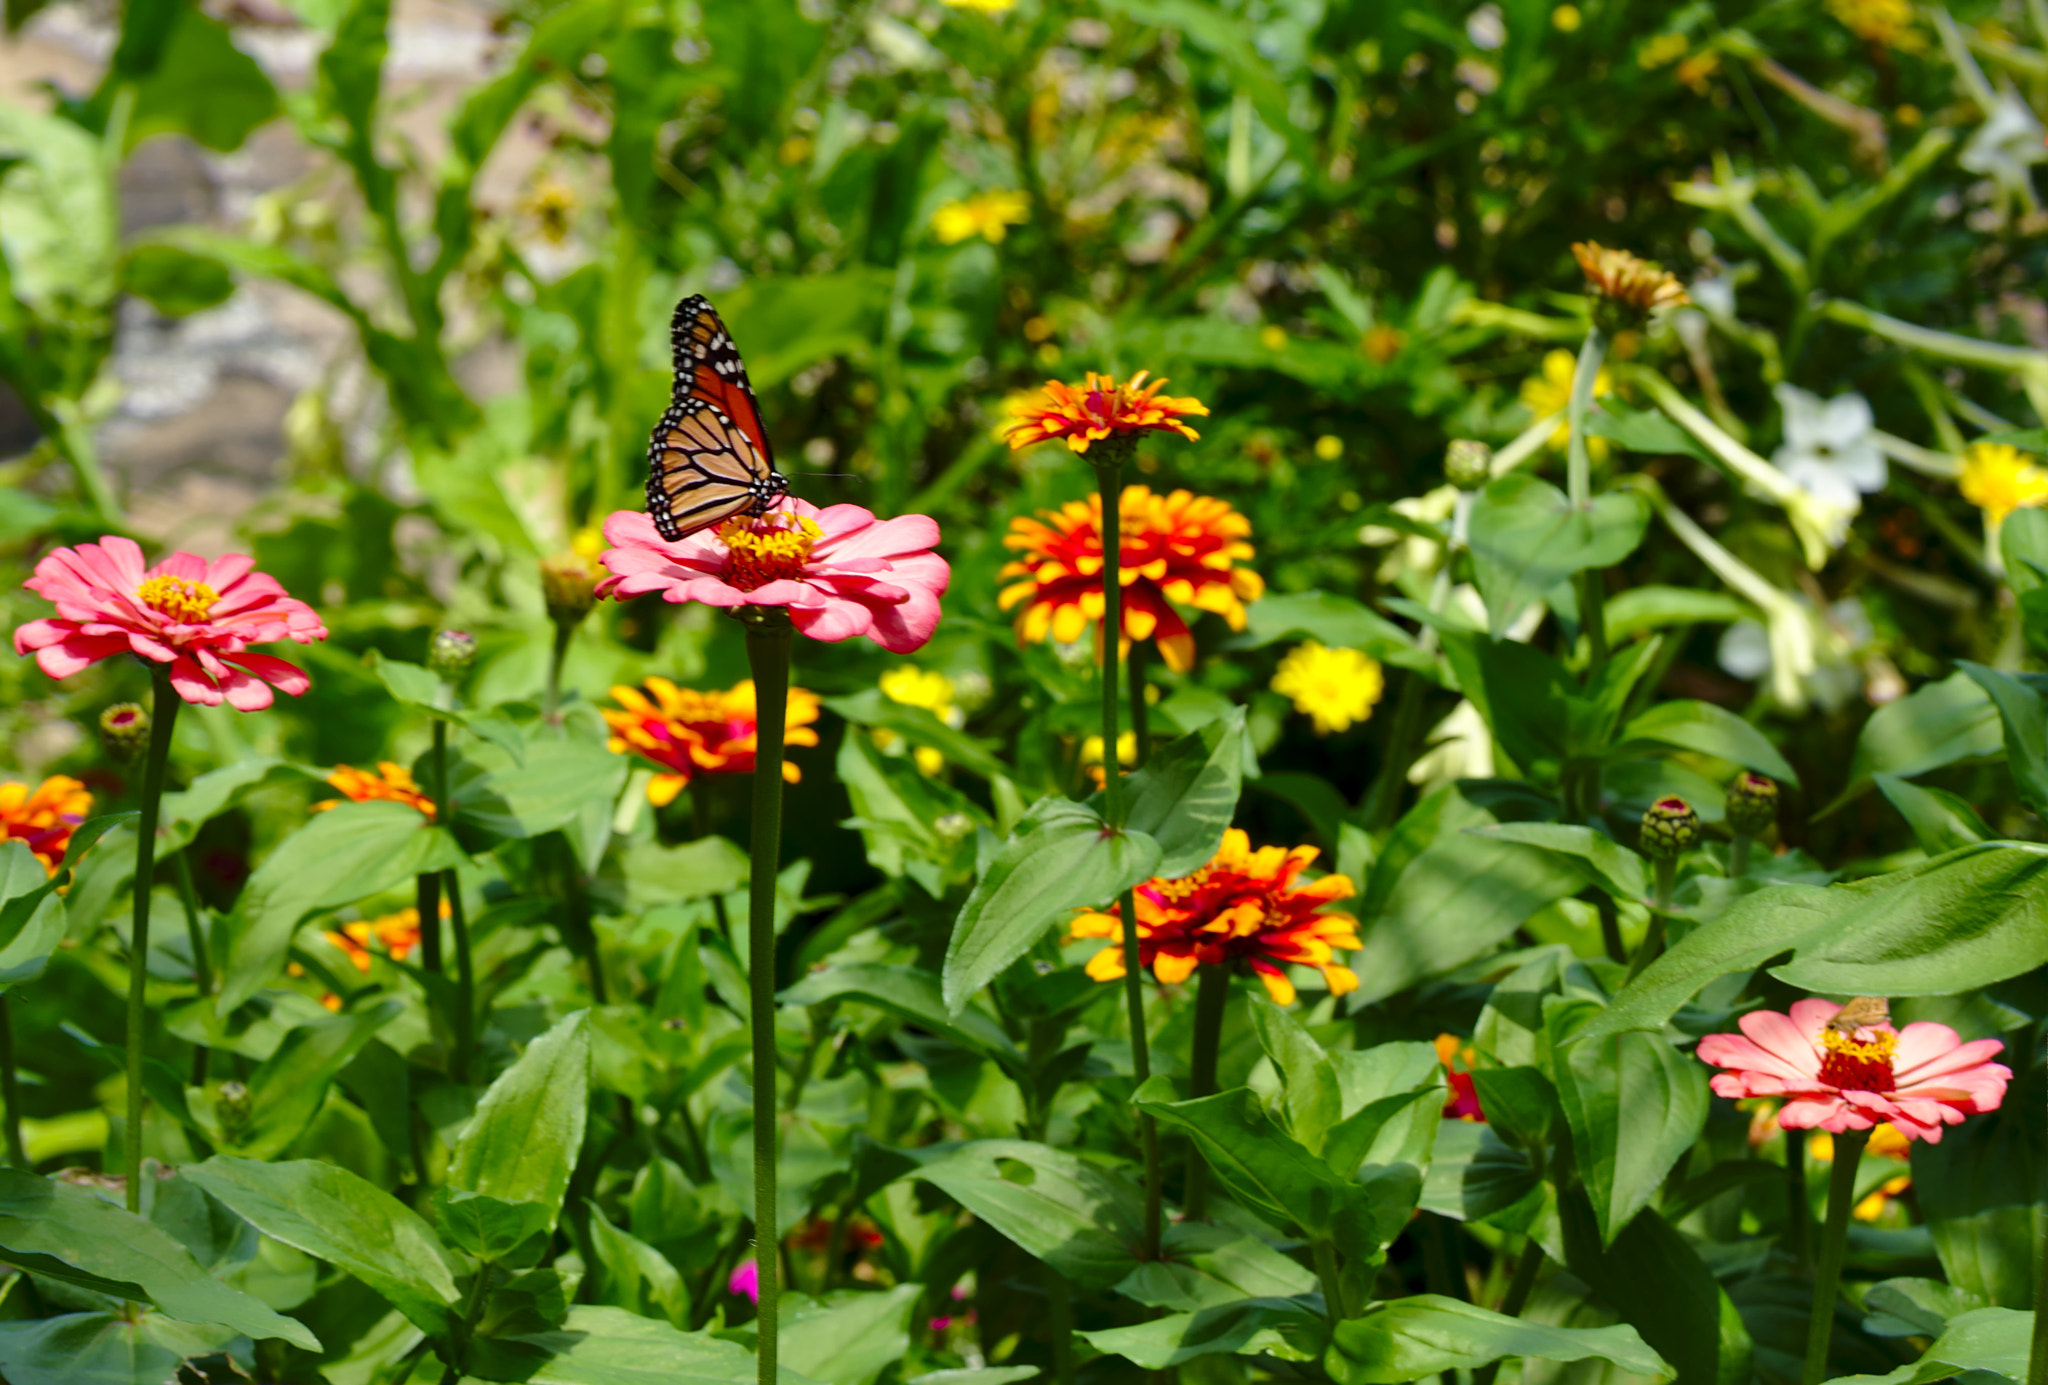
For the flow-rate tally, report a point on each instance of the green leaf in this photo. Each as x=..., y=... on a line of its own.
x=491, y=1228
x=647, y=875
x=1642, y=430
x=1979, y=1192
x=68, y=1234
x=1939, y=820
x=106, y=1349
x=849, y=1337
x=1205, y=1266
x=522, y=1144
x=1652, y=607
x=545, y=789
x=57, y=208
x=1711, y=730
x=1474, y=1175
x=287, y=1090
x=1520, y=1103
x=1336, y=621
x=1439, y=897
x=1390, y=1100
x=1635, y=1105
x=1958, y=922
x=1995, y=1341
x=906, y=991
x=1411, y=1338
x=1526, y=537
x=1656, y=1281
x=1309, y=1098
x=195, y=82
x=332, y=1215
x=1934, y=725
x=1277, y=1327
x=1525, y=696
x=1608, y=863
x=1187, y=793
x=176, y=282
x=609, y=1346
x=338, y=857
x=872, y=707
x=213, y=793
x=1080, y=1218
x=1062, y=857
x=632, y=1274
x=2025, y=719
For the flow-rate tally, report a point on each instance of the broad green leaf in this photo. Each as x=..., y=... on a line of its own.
x=176, y=282
x=2025, y=720
x=58, y=225
x=1995, y=1341
x=1187, y=793
x=849, y=1337
x=1650, y=607
x=872, y=707
x=648, y=875
x=1390, y=1099
x=1934, y=725
x=543, y=791
x=1439, y=897
x=1915, y=1307
x=633, y=1275
x=906, y=991
x=1520, y=1103
x=287, y=1090
x=899, y=810
x=1526, y=537
x=1511, y=1032
x=523, y=1142
x=1062, y=857
x=489, y=1228
x=1954, y=924
x=197, y=83
x=27, y=889
x=1635, y=1105
x=1411, y=1338
x=68, y=1234
x=1201, y=1265
x=1980, y=1194
x=1254, y=1327
x=610, y=1346
x=1335, y=621
x=216, y=791
x=1642, y=430
x=1309, y=1098
x=1656, y=1281
x=1611, y=865
x=332, y=1215
x=1475, y=1176
x=1711, y=730
x=1080, y=1218
x=1938, y=819
x=1526, y=698
x=105, y=1349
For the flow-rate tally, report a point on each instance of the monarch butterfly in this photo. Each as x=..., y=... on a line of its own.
x=709, y=458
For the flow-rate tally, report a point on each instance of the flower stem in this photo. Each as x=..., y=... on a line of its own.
x=1109, y=467
x=1579, y=484
x=429, y=901
x=769, y=635
x=202, y=963
x=551, y=707
x=1738, y=855
x=465, y=979
x=163, y=714
x=1796, y=1218
x=1212, y=993
x=1653, y=940
x=1334, y=1307
x=1383, y=801
x=1834, y=1239
x=10, y=1087
x=1060, y=1305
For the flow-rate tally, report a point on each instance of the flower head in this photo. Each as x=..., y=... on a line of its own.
x=1919, y=1078
x=1998, y=478
x=391, y=783
x=1670, y=828
x=568, y=584
x=1751, y=807
x=989, y=215
x=196, y=616
x=927, y=688
x=1101, y=409
x=398, y=934
x=1634, y=286
x=689, y=733
x=124, y=731
x=1334, y=687
x=1456, y=1055
x=1830, y=450
x=1177, y=549
x=1243, y=907
x=1886, y=23
x=44, y=818
x=985, y=6
x=840, y=572
x=1550, y=392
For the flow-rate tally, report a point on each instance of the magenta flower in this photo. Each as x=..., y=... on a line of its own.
x=196, y=616
x=840, y=572
x=746, y=1279
x=1919, y=1078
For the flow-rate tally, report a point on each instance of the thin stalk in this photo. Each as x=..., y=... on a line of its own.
x=1526, y=1269
x=1796, y=1215
x=163, y=712
x=10, y=1087
x=202, y=963
x=769, y=635
x=1334, y=1307
x=1212, y=994
x=1384, y=799
x=1579, y=486
x=429, y=902
x=551, y=707
x=1738, y=855
x=1653, y=940
x=1060, y=1302
x=1610, y=926
x=465, y=981
x=1834, y=1238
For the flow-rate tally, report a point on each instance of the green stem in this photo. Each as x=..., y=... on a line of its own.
x=1834, y=1238
x=769, y=635
x=1796, y=1216
x=1738, y=855
x=429, y=901
x=10, y=1087
x=1334, y=1307
x=1212, y=994
x=202, y=963
x=564, y=630
x=163, y=714
x=1579, y=485
x=465, y=980
x=1384, y=800
x=1610, y=926
x=1519, y=1288
x=1653, y=940
x=1060, y=1302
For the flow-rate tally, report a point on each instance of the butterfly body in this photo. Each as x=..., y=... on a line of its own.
x=709, y=458
x=1862, y=1012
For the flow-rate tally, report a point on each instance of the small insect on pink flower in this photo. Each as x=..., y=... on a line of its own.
x=1846, y=1068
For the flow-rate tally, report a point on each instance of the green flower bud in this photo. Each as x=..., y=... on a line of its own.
x=1752, y=804
x=1670, y=827
x=124, y=731
x=451, y=653
x=1468, y=465
x=233, y=1108
x=568, y=581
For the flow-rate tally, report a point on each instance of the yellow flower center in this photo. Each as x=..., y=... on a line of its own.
x=188, y=603
x=772, y=548
x=1850, y=1064
x=1998, y=478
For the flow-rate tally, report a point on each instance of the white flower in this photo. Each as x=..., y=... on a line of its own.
x=1750, y=651
x=1828, y=450
x=1713, y=294
x=2006, y=145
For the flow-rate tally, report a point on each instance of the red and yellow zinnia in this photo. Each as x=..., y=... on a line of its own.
x=44, y=817
x=688, y=732
x=391, y=783
x=1243, y=907
x=1084, y=414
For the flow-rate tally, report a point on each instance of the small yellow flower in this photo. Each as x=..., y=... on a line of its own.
x=1886, y=23
x=1273, y=337
x=929, y=689
x=1998, y=479
x=989, y=215
x=1329, y=447
x=1566, y=19
x=1698, y=70
x=1336, y=688
x=1551, y=393
x=1382, y=343
x=984, y=6
x=1665, y=48
x=1091, y=754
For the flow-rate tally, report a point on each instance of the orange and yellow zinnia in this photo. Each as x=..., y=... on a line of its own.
x=1244, y=907
x=687, y=732
x=1101, y=408
x=391, y=783
x=44, y=817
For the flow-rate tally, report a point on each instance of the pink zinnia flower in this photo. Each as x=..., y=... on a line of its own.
x=1919, y=1078
x=196, y=616
x=746, y=1279
x=840, y=572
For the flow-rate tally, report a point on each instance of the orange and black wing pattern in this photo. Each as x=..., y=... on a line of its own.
x=709, y=458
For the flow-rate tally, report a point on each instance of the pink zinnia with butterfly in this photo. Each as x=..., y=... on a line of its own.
x=198, y=617
x=1845, y=1068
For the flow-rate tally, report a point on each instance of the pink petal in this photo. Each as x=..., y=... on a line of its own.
x=852, y=532
x=1928, y=1050
x=119, y=561
x=189, y=566
x=1811, y=1015
x=69, y=656
x=832, y=622
x=1826, y=1113
x=224, y=572
x=246, y=692
x=194, y=686
x=288, y=678
x=35, y=634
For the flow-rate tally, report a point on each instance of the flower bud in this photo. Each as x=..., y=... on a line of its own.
x=1752, y=804
x=1670, y=827
x=1468, y=464
x=124, y=731
x=451, y=653
x=233, y=1108
x=569, y=583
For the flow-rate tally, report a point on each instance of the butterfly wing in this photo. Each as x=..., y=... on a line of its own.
x=703, y=468
x=709, y=368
